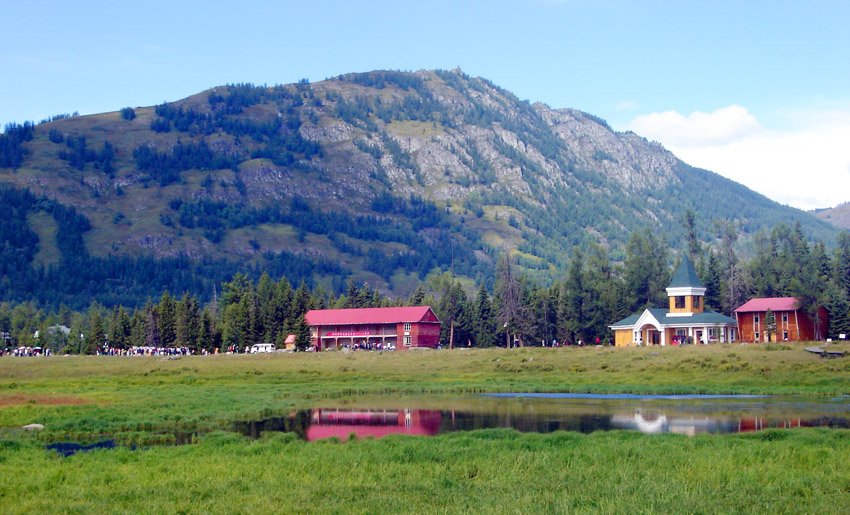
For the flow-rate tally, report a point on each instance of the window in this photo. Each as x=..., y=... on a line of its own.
x=784, y=318
x=638, y=337
x=697, y=302
x=407, y=326
x=785, y=335
x=680, y=302
x=757, y=336
x=756, y=319
x=408, y=341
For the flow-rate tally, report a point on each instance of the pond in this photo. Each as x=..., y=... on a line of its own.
x=376, y=417
x=544, y=413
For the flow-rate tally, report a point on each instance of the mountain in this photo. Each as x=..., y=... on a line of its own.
x=838, y=216
x=379, y=177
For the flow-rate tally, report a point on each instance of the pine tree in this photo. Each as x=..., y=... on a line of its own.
x=483, y=322
x=167, y=311
x=120, y=329
x=97, y=334
x=645, y=271
x=770, y=325
x=417, y=297
x=574, y=296
x=513, y=314
x=187, y=322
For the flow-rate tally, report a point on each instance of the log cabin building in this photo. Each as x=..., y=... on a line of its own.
x=402, y=328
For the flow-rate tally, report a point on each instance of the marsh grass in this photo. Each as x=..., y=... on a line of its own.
x=119, y=394
x=490, y=471
x=148, y=403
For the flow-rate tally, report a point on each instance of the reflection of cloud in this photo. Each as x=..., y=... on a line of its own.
x=807, y=166
x=721, y=126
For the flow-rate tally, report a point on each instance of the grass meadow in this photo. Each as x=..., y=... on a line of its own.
x=143, y=401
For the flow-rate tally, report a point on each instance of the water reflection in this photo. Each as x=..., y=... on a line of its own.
x=652, y=414
x=68, y=448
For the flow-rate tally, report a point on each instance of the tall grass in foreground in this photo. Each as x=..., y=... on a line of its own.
x=492, y=471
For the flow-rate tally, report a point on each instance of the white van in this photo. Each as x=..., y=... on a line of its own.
x=262, y=347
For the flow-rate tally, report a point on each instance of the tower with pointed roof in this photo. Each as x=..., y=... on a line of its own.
x=686, y=292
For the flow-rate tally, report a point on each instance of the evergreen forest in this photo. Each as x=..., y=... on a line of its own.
x=518, y=310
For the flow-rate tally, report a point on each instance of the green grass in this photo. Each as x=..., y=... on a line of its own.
x=145, y=400
x=137, y=394
x=492, y=471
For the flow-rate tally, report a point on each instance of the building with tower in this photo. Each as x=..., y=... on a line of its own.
x=684, y=321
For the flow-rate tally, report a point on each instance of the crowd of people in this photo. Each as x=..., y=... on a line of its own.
x=26, y=351
x=146, y=351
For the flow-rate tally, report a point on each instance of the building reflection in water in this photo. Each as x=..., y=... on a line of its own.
x=320, y=423
x=655, y=422
x=327, y=423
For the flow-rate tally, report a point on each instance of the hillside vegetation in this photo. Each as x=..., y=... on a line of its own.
x=380, y=177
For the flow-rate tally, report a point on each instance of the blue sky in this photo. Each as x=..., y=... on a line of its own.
x=754, y=90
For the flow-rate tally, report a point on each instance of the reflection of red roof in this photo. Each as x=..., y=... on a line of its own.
x=370, y=316
x=771, y=303
x=329, y=423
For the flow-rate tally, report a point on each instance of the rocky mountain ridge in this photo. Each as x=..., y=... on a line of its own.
x=392, y=175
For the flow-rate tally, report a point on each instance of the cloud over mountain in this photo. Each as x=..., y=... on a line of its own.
x=697, y=129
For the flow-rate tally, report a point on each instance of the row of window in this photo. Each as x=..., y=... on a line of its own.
x=381, y=328
x=681, y=334
x=680, y=302
x=756, y=318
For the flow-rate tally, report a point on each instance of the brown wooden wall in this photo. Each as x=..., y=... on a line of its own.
x=799, y=326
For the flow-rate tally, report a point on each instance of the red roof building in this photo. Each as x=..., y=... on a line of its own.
x=402, y=328
x=792, y=323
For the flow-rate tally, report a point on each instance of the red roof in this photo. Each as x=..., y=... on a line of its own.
x=316, y=317
x=771, y=303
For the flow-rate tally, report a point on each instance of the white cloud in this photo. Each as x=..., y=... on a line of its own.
x=722, y=126
x=806, y=166
x=626, y=105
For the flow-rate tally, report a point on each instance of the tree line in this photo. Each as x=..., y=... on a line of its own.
x=595, y=292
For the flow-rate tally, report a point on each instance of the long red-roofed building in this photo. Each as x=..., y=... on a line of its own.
x=792, y=323
x=402, y=327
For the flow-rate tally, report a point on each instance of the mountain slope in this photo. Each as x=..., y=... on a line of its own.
x=838, y=216
x=388, y=175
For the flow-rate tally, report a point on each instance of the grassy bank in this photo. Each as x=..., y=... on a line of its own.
x=107, y=395
x=494, y=471
x=147, y=400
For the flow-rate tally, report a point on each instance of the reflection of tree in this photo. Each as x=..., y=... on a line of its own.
x=297, y=423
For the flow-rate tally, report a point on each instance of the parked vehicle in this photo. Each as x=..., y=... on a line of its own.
x=262, y=347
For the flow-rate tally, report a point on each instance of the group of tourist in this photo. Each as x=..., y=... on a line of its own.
x=368, y=346
x=26, y=351
x=145, y=351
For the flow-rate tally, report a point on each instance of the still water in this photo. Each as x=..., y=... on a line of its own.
x=544, y=413
x=377, y=417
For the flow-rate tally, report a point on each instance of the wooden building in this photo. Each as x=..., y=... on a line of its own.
x=402, y=328
x=792, y=324
x=684, y=320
